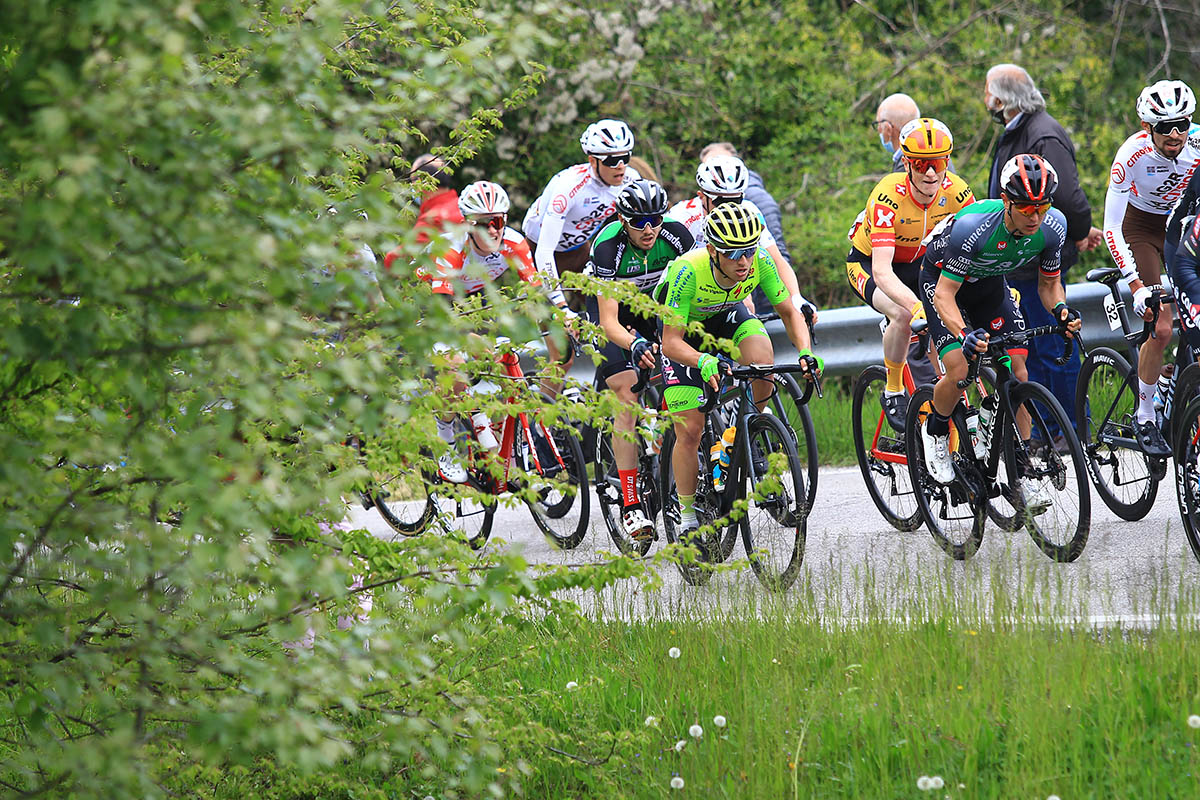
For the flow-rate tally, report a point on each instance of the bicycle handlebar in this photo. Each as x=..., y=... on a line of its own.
x=997, y=343
x=758, y=372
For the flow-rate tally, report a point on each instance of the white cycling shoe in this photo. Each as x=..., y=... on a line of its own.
x=937, y=456
x=451, y=469
x=1036, y=495
x=635, y=524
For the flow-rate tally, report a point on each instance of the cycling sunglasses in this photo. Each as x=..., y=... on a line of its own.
x=739, y=253
x=495, y=223
x=722, y=199
x=1169, y=126
x=922, y=165
x=615, y=160
x=1032, y=208
x=644, y=221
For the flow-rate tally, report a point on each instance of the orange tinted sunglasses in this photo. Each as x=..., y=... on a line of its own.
x=923, y=164
x=1032, y=208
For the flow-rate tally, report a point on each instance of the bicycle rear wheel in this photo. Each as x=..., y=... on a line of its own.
x=772, y=533
x=1120, y=471
x=562, y=504
x=881, y=455
x=1059, y=529
x=1187, y=472
x=953, y=512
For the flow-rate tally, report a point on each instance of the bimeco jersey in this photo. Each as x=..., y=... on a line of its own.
x=691, y=292
x=463, y=266
x=1150, y=182
x=572, y=207
x=975, y=243
x=893, y=218
x=613, y=257
x=691, y=214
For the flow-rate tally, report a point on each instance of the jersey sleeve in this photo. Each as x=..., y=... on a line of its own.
x=449, y=265
x=522, y=259
x=1116, y=202
x=677, y=236
x=553, y=219
x=1054, y=228
x=768, y=278
x=603, y=258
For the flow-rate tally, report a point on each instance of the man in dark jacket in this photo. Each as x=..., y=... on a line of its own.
x=1014, y=101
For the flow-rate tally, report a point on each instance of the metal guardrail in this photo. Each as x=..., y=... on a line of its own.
x=849, y=338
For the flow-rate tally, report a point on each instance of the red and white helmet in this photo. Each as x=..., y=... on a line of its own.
x=723, y=175
x=1165, y=100
x=606, y=137
x=483, y=197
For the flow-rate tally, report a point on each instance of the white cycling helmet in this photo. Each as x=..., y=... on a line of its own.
x=1165, y=100
x=483, y=197
x=606, y=137
x=723, y=175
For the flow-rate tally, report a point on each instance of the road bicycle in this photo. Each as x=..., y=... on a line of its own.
x=1106, y=403
x=542, y=464
x=763, y=496
x=992, y=459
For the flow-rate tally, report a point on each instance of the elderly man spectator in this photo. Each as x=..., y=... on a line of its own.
x=1014, y=101
x=894, y=112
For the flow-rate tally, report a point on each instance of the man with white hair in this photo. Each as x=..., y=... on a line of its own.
x=1014, y=101
x=894, y=112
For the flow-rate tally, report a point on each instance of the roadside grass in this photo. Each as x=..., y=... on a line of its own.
x=987, y=680
x=831, y=420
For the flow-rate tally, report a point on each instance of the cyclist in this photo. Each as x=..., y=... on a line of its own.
x=963, y=273
x=637, y=248
x=708, y=285
x=578, y=201
x=723, y=179
x=887, y=243
x=1147, y=179
x=487, y=253
x=1184, y=270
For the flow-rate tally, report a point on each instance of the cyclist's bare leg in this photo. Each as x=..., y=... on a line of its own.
x=757, y=349
x=946, y=392
x=624, y=447
x=689, y=425
x=557, y=366
x=1150, y=357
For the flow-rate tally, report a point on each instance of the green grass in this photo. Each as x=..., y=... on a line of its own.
x=1011, y=708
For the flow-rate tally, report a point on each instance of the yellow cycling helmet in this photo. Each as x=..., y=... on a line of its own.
x=926, y=138
x=732, y=226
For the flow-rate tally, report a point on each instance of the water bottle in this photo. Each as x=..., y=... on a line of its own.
x=987, y=412
x=973, y=430
x=483, y=431
x=719, y=454
x=650, y=433
x=1164, y=386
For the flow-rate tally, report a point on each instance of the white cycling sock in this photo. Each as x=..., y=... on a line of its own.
x=1145, y=412
x=687, y=519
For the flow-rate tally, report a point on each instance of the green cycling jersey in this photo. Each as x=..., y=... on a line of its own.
x=690, y=291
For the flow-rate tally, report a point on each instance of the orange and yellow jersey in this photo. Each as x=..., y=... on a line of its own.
x=893, y=218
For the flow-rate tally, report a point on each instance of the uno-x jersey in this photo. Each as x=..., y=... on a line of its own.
x=690, y=291
x=463, y=267
x=1149, y=181
x=974, y=244
x=892, y=218
x=691, y=214
x=613, y=257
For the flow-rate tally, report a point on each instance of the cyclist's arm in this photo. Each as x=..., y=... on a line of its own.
x=793, y=322
x=886, y=280
x=945, y=302
x=609, y=308
x=1116, y=202
x=543, y=256
x=1050, y=290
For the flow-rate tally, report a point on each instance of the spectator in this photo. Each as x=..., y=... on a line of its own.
x=1014, y=101
x=896, y=111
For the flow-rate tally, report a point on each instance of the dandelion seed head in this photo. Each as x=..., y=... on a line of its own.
x=1052, y=797
x=719, y=721
x=651, y=721
x=924, y=783
x=680, y=745
x=1194, y=721
x=572, y=686
x=673, y=652
x=936, y=782
x=677, y=782
x=696, y=731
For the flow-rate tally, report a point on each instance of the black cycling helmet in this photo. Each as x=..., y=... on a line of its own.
x=641, y=198
x=1028, y=179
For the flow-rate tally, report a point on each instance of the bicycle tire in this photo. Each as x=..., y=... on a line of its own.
x=960, y=534
x=888, y=482
x=400, y=493
x=786, y=405
x=1186, y=449
x=698, y=572
x=466, y=511
x=1002, y=502
x=609, y=496
x=1122, y=475
x=1061, y=529
x=561, y=510
x=773, y=534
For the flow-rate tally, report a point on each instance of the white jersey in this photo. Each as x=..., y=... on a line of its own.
x=472, y=271
x=691, y=213
x=1150, y=182
x=571, y=209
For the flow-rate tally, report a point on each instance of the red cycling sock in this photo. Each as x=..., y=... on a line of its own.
x=628, y=479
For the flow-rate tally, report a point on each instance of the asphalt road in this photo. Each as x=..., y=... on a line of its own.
x=856, y=566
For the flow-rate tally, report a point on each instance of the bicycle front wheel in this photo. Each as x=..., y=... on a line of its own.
x=786, y=406
x=562, y=501
x=880, y=453
x=708, y=545
x=1120, y=471
x=1052, y=497
x=954, y=512
x=609, y=495
x=400, y=492
x=775, y=477
x=1187, y=472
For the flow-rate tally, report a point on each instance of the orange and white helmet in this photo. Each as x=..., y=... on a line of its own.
x=483, y=197
x=926, y=138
